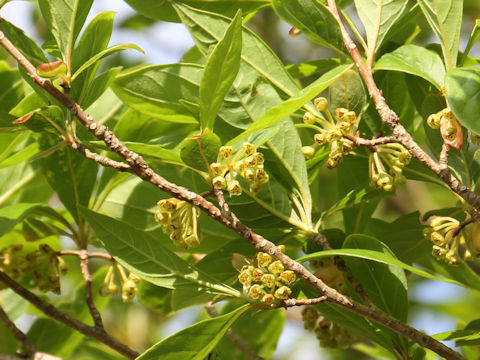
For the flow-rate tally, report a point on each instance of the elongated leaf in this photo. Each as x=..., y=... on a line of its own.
x=309, y=68
x=200, y=150
x=471, y=41
x=102, y=54
x=99, y=85
x=202, y=338
x=163, y=9
x=220, y=71
x=462, y=86
x=415, y=60
x=465, y=337
x=355, y=197
x=14, y=214
x=65, y=19
x=286, y=108
x=313, y=19
x=11, y=83
x=445, y=19
x=94, y=39
x=157, y=91
x=140, y=252
x=377, y=256
x=378, y=16
x=386, y=286
x=24, y=154
x=348, y=92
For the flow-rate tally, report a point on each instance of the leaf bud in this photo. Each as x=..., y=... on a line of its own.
x=321, y=103
x=276, y=267
x=53, y=69
x=283, y=293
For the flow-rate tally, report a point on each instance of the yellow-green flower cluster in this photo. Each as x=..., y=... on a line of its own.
x=449, y=127
x=448, y=239
x=43, y=264
x=329, y=334
x=246, y=162
x=334, y=133
x=179, y=220
x=268, y=281
x=329, y=273
x=129, y=284
x=386, y=165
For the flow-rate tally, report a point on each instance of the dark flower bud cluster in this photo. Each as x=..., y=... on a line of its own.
x=329, y=334
x=448, y=240
x=179, y=220
x=329, y=273
x=449, y=127
x=386, y=166
x=128, y=284
x=246, y=162
x=44, y=265
x=267, y=281
x=332, y=132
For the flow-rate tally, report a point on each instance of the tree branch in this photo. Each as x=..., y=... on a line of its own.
x=19, y=335
x=300, y=302
x=97, y=318
x=225, y=217
x=53, y=312
x=391, y=119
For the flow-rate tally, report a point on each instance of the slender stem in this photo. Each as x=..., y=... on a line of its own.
x=78, y=253
x=19, y=335
x=300, y=302
x=97, y=318
x=53, y=312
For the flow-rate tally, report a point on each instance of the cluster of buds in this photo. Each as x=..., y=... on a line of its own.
x=449, y=127
x=386, y=165
x=179, y=220
x=328, y=333
x=267, y=281
x=44, y=264
x=448, y=237
x=327, y=271
x=334, y=134
x=246, y=162
x=129, y=284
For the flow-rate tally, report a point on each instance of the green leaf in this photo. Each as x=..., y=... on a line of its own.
x=102, y=54
x=157, y=90
x=143, y=254
x=289, y=106
x=13, y=214
x=98, y=86
x=309, y=68
x=471, y=41
x=445, y=19
x=462, y=86
x=385, y=285
x=163, y=9
x=314, y=20
x=415, y=60
x=24, y=154
x=220, y=72
x=202, y=339
x=377, y=256
x=378, y=16
x=348, y=92
x=45, y=119
x=94, y=40
x=355, y=197
x=65, y=19
x=11, y=83
x=468, y=336
x=199, y=151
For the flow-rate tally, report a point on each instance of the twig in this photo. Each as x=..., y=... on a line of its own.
x=78, y=253
x=53, y=312
x=443, y=158
x=391, y=119
x=97, y=318
x=359, y=141
x=234, y=338
x=300, y=302
x=225, y=217
x=19, y=335
x=462, y=225
x=320, y=240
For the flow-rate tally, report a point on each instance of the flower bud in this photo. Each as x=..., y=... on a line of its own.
x=261, y=176
x=308, y=152
x=219, y=182
x=276, y=267
x=320, y=138
x=234, y=188
x=263, y=259
x=283, y=293
x=268, y=299
x=288, y=277
x=268, y=280
x=226, y=151
x=216, y=168
x=245, y=277
x=248, y=149
x=257, y=274
x=321, y=103
x=309, y=118
x=255, y=292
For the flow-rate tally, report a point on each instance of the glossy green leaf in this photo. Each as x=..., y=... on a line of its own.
x=140, y=252
x=157, y=90
x=102, y=54
x=445, y=19
x=220, y=72
x=462, y=86
x=12, y=86
x=202, y=338
x=99, y=85
x=45, y=119
x=348, y=92
x=14, y=214
x=377, y=256
x=471, y=41
x=415, y=60
x=385, y=285
x=313, y=19
x=24, y=154
x=286, y=108
x=199, y=151
x=309, y=68
x=65, y=19
x=163, y=9
x=378, y=16
x=94, y=40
